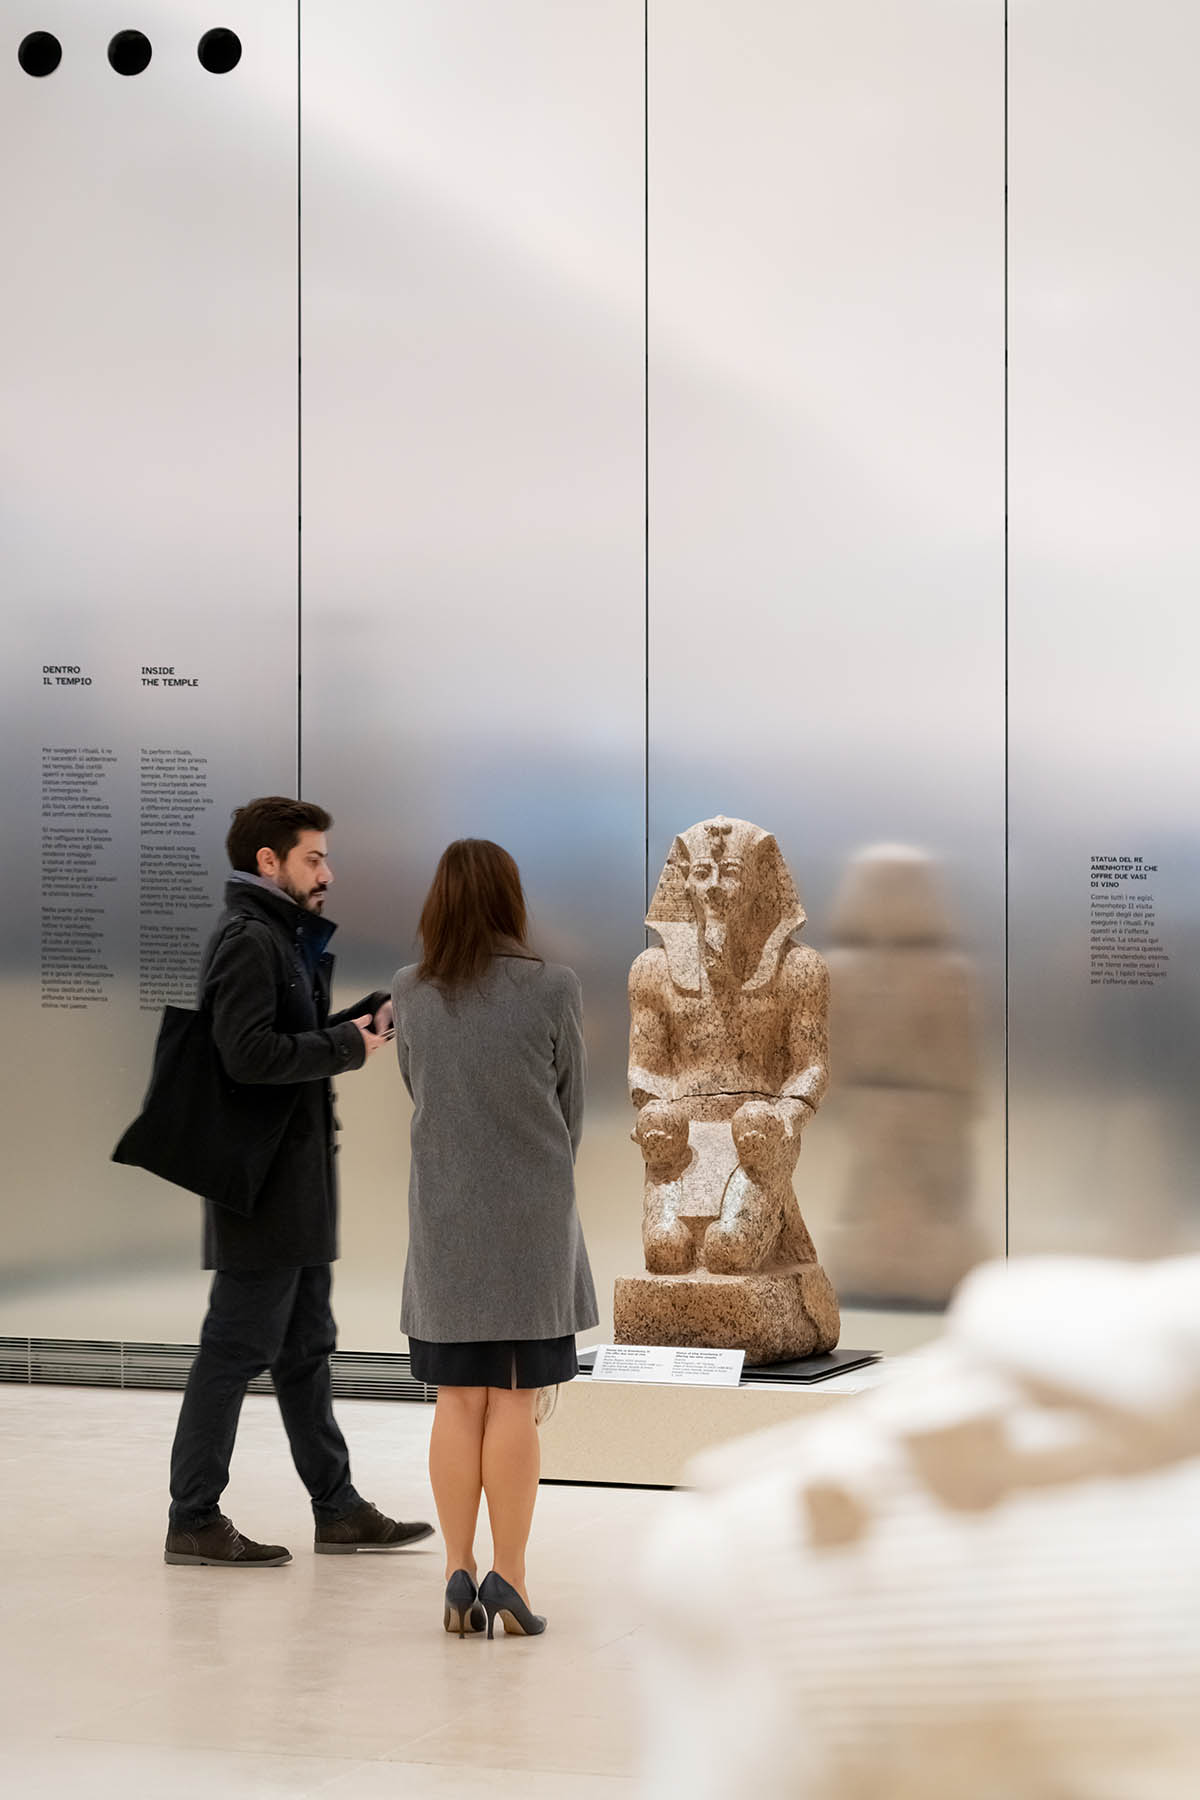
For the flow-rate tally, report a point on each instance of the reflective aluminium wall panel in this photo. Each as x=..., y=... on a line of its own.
x=1104, y=637
x=473, y=542
x=826, y=591
x=148, y=564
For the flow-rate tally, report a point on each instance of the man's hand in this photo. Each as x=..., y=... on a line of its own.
x=384, y=1022
x=373, y=1040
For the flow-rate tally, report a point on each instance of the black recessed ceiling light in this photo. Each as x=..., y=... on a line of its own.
x=130, y=52
x=220, y=50
x=40, y=53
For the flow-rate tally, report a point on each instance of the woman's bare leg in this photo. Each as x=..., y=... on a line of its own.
x=456, y=1470
x=511, y=1465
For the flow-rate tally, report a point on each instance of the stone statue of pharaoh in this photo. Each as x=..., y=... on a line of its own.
x=727, y=1059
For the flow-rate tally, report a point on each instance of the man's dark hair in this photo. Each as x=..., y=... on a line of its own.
x=273, y=823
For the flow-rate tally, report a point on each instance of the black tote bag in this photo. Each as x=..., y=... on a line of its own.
x=197, y=1128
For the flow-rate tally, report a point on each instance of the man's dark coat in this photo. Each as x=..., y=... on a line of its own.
x=266, y=976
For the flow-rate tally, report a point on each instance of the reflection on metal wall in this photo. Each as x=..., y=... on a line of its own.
x=826, y=473
x=1105, y=557
x=148, y=474
x=902, y=1020
x=473, y=522
x=826, y=562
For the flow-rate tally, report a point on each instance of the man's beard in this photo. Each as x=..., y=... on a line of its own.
x=304, y=897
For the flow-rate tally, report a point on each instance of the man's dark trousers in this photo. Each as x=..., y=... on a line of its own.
x=276, y=1319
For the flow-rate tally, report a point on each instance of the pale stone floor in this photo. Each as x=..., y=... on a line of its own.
x=331, y=1676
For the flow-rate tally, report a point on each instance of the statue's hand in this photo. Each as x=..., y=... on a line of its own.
x=758, y=1122
x=765, y=1135
x=661, y=1133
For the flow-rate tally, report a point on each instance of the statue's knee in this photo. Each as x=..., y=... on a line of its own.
x=668, y=1246
x=727, y=1248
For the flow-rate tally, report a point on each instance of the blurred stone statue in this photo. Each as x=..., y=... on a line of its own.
x=906, y=1085
x=979, y=1580
x=727, y=1065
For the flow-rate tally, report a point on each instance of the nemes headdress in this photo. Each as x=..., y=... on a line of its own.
x=774, y=898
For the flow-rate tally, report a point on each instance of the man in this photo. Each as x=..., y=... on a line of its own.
x=266, y=981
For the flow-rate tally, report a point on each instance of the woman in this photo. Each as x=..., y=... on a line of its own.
x=497, y=1281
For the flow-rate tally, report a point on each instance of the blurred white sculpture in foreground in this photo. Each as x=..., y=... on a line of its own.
x=980, y=1581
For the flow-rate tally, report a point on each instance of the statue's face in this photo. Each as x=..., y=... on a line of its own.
x=716, y=885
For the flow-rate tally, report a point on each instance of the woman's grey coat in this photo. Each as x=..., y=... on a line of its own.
x=496, y=1074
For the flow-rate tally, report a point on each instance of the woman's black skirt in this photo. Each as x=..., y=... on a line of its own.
x=523, y=1363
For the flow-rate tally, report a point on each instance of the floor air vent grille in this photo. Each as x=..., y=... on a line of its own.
x=14, y=1359
x=75, y=1362
x=102, y=1362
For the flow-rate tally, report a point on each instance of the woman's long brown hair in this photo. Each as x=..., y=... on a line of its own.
x=474, y=910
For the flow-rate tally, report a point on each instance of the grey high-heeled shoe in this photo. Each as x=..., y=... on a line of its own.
x=499, y=1596
x=463, y=1614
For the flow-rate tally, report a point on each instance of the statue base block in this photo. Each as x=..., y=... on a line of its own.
x=772, y=1314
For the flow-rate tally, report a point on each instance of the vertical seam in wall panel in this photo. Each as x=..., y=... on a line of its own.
x=646, y=442
x=299, y=436
x=1006, y=707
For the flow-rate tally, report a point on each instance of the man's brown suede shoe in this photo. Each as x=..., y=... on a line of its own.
x=222, y=1545
x=366, y=1528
